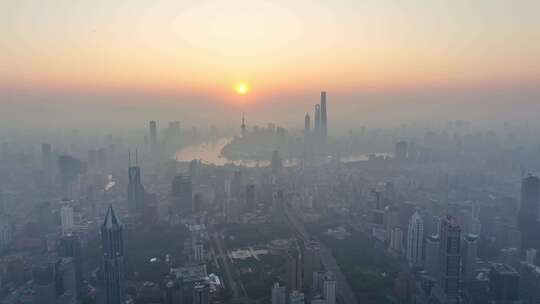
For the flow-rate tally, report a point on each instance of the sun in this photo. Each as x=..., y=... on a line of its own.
x=241, y=88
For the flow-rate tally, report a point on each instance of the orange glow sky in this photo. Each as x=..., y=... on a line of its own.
x=274, y=45
x=207, y=47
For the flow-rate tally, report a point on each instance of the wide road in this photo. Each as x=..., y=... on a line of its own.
x=218, y=240
x=343, y=290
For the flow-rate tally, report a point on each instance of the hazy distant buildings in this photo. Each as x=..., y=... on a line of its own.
x=243, y=128
x=112, y=243
x=182, y=194
x=276, y=162
x=528, y=218
x=135, y=191
x=415, y=240
x=46, y=157
x=250, y=197
x=324, y=119
x=44, y=217
x=401, y=151
x=6, y=235
x=317, y=124
x=307, y=124
x=153, y=133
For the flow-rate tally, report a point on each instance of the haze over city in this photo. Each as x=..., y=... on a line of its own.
x=269, y=152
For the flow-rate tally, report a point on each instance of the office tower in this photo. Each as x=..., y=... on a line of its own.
x=243, y=130
x=201, y=293
x=468, y=256
x=329, y=289
x=296, y=297
x=70, y=168
x=528, y=212
x=250, y=197
x=198, y=202
x=232, y=210
x=112, y=243
x=530, y=256
x=415, y=240
x=69, y=246
x=312, y=261
x=67, y=217
x=324, y=119
x=449, y=261
x=276, y=163
x=317, y=124
x=44, y=217
x=5, y=151
x=294, y=270
x=317, y=299
x=46, y=157
x=172, y=291
x=172, y=134
x=236, y=184
x=153, y=133
x=317, y=281
x=529, y=283
x=193, y=168
x=401, y=151
x=6, y=235
x=396, y=240
x=278, y=294
x=504, y=284
x=307, y=124
x=182, y=194
x=65, y=281
x=135, y=191
x=198, y=250
x=431, y=264
x=44, y=283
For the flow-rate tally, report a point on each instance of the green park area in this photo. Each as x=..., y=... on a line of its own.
x=364, y=263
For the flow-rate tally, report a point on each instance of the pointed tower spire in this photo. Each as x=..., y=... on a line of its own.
x=129, y=158
x=110, y=219
x=136, y=156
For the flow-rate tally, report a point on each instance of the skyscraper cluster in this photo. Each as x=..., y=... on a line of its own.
x=320, y=124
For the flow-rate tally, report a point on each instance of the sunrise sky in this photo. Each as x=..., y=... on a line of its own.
x=206, y=48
